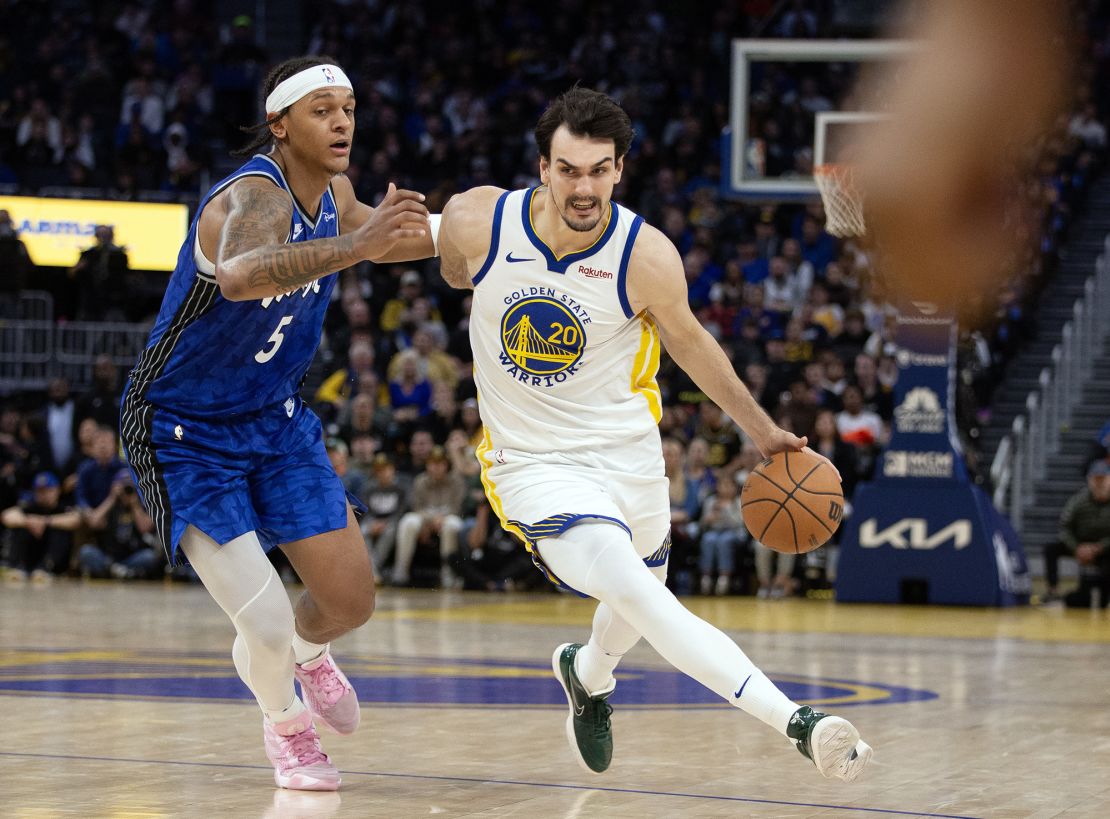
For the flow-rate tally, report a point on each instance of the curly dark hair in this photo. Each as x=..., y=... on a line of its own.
x=281, y=71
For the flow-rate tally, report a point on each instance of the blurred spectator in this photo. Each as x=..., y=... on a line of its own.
x=101, y=278
x=60, y=418
x=861, y=428
x=102, y=401
x=124, y=544
x=237, y=75
x=877, y=396
x=722, y=531
x=1085, y=535
x=437, y=498
x=399, y=310
x=827, y=441
x=354, y=480
x=410, y=393
x=96, y=475
x=1086, y=126
x=386, y=500
x=357, y=377
x=15, y=266
x=42, y=532
x=685, y=511
x=432, y=362
x=720, y=434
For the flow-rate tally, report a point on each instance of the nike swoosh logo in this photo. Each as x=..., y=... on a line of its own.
x=509, y=258
x=580, y=710
x=741, y=689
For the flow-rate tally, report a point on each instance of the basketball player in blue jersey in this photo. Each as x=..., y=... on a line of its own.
x=572, y=293
x=228, y=460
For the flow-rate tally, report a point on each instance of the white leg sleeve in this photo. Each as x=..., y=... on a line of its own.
x=241, y=580
x=611, y=638
x=599, y=560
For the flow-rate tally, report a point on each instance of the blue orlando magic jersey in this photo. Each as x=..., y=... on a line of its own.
x=210, y=357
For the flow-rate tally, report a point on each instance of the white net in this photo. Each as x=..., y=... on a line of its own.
x=843, y=200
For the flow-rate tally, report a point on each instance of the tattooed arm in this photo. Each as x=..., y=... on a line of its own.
x=253, y=261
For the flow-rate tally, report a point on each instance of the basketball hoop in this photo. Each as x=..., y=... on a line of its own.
x=843, y=200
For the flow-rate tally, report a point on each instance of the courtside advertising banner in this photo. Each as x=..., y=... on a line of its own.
x=55, y=231
x=921, y=531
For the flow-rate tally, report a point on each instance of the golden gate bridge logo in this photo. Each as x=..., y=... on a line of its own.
x=542, y=336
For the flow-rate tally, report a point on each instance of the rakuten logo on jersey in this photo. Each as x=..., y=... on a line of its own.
x=913, y=533
x=594, y=273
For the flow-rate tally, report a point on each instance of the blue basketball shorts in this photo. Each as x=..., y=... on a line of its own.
x=266, y=472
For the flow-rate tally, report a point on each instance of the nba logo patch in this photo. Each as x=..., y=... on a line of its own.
x=329, y=77
x=289, y=405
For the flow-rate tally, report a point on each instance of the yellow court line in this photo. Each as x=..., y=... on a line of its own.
x=807, y=617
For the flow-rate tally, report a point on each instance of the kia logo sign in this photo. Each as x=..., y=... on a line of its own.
x=913, y=533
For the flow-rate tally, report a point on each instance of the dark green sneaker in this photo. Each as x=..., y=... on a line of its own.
x=589, y=730
x=832, y=743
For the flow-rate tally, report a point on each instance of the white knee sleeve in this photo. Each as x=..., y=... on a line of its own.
x=242, y=581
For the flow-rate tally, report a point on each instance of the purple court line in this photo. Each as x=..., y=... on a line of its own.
x=482, y=781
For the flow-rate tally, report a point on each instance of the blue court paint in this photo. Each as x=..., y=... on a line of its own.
x=486, y=781
x=397, y=680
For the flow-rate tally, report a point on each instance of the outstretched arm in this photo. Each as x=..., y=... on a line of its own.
x=657, y=284
x=253, y=260
x=353, y=214
x=465, y=234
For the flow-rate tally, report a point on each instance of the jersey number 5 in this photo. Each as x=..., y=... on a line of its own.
x=275, y=339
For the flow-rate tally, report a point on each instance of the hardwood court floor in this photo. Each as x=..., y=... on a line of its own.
x=121, y=701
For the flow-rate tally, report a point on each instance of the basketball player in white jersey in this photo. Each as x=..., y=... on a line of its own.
x=572, y=293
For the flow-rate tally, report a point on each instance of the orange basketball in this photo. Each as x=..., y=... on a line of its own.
x=792, y=502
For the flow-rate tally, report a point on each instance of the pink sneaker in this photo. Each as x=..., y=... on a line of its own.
x=294, y=749
x=328, y=694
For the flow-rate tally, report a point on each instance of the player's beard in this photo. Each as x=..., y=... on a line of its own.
x=575, y=221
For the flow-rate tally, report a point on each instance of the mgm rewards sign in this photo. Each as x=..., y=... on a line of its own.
x=57, y=230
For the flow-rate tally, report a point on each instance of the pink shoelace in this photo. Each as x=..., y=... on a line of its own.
x=305, y=747
x=326, y=682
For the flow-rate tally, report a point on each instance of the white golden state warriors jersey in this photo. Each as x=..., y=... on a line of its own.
x=560, y=361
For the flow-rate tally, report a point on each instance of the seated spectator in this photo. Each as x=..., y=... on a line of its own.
x=685, y=511
x=470, y=421
x=357, y=377
x=721, y=435
x=1085, y=535
x=124, y=544
x=861, y=428
x=96, y=474
x=722, y=530
x=877, y=395
x=354, y=480
x=437, y=498
x=433, y=363
x=410, y=395
x=698, y=471
x=386, y=501
x=827, y=441
x=490, y=559
x=101, y=402
x=42, y=532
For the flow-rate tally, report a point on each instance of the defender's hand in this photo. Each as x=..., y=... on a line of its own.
x=400, y=215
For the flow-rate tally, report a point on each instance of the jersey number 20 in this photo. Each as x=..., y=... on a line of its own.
x=275, y=339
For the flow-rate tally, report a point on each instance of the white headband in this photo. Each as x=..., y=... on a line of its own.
x=291, y=89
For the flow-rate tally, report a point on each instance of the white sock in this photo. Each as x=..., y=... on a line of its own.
x=594, y=667
x=294, y=709
x=306, y=652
